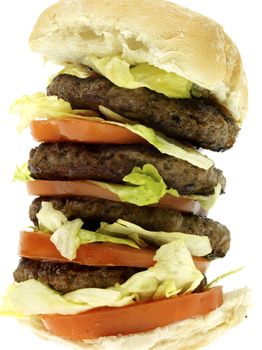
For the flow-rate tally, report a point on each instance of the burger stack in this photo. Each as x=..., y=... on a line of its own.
x=122, y=189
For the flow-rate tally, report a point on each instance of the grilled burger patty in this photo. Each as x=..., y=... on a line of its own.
x=199, y=122
x=76, y=161
x=67, y=277
x=94, y=210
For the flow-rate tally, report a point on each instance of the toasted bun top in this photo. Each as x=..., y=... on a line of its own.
x=161, y=33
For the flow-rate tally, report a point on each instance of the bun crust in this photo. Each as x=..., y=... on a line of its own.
x=161, y=33
x=184, y=335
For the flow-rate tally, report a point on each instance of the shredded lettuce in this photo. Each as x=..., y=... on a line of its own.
x=174, y=273
x=119, y=71
x=39, y=106
x=22, y=173
x=225, y=275
x=50, y=219
x=68, y=236
x=207, y=202
x=92, y=237
x=76, y=70
x=164, y=144
x=143, y=186
x=197, y=245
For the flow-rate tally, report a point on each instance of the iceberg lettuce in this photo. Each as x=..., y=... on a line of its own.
x=120, y=72
x=174, y=273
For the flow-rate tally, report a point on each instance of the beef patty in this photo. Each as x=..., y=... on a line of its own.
x=76, y=161
x=198, y=121
x=94, y=210
x=67, y=277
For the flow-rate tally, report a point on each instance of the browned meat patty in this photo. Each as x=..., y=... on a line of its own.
x=200, y=122
x=76, y=161
x=94, y=210
x=67, y=277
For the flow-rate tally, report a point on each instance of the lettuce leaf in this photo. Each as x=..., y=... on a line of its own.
x=50, y=219
x=174, y=273
x=22, y=173
x=119, y=71
x=86, y=237
x=143, y=186
x=76, y=70
x=164, y=144
x=39, y=106
x=68, y=236
x=196, y=245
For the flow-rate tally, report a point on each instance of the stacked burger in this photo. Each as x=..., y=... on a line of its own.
x=121, y=239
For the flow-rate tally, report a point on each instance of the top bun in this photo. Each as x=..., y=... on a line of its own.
x=161, y=33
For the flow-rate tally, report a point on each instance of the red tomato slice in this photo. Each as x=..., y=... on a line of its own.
x=87, y=188
x=79, y=130
x=135, y=318
x=37, y=246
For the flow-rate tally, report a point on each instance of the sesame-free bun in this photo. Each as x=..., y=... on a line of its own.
x=161, y=33
x=184, y=335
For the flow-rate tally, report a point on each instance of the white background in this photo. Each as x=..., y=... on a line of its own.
x=23, y=72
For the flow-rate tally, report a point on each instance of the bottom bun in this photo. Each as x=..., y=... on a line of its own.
x=189, y=334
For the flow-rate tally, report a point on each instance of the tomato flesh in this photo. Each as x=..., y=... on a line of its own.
x=89, y=189
x=37, y=246
x=135, y=318
x=80, y=130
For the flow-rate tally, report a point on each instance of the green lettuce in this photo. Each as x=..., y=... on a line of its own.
x=174, y=273
x=39, y=106
x=164, y=144
x=143, y=186
x=22, y=173
x=68, y=236
x=77, y=70
x=119, y=71
x=197, y=245
x=50, y=219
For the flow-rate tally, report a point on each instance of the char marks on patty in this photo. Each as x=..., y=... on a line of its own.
x=111, y=163
x=198, y=121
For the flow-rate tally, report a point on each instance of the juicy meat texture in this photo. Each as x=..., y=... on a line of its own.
x=198, y=121
x=76, y=161
x=94, y=210
x=67, y=277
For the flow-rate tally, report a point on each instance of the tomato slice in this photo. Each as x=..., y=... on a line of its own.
x=89, y=189
x=80, y=130
x=37, y=246
x=135, y=318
